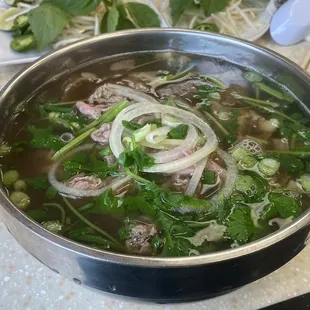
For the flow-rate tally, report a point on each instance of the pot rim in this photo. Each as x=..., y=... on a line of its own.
x=124, y=259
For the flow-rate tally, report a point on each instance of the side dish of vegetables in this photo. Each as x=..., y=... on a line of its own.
x=37, y=24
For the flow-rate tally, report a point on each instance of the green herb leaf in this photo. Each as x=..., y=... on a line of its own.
x=131, y=125
x=213, y=6
x=205, y=91
x=81, y=163
x=139, y=203
x=142, y=15
x=252, y=187
x=209, y=177
x=76, y=7
x=123, y=21
x=39, y=215
x=106, y=203
x=136, y=159
x=286, y=206
x=51, y=193
x=112, y=19
x=39, y=183
x=43, y=138
x=46, y=22
x=240, y=226
x=179, y=132
x=177, y=8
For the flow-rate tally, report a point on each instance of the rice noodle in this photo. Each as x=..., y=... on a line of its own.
x=193, y=183
x=232, y=174
x=137, y=110
x=75, y=192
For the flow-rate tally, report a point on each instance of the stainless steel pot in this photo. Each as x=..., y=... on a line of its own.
x=156, y=279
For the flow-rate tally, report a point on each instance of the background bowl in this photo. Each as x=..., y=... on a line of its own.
x=153, y=278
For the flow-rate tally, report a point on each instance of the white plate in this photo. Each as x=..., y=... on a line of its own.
x=7, y=55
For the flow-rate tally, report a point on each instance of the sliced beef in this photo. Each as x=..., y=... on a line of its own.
x=181, y=89
x=85, y=182
x=90, y=111
x=139, y=239
x=103, y=95
x=102, y=134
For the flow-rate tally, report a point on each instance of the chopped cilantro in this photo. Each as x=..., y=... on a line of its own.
x=81, y=163
x=131, y=125
x=179, y=132
x=44, y=138
x=136, y=159
x=240, y=226
x=209, y=177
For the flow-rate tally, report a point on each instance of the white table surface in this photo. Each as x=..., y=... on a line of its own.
x=27, y=284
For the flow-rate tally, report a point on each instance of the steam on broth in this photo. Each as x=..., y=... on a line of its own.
x=162, y=155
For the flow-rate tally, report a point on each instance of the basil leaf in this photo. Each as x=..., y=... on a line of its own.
x=123, y=21
x=76, y=7
x=112, y=20
x=46, y=22
x=142, y=15
x=177, y=8
x=213, y=6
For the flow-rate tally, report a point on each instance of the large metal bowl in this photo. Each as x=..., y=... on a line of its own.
x=154, y=278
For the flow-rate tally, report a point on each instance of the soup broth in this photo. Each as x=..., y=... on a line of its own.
x=159, y=155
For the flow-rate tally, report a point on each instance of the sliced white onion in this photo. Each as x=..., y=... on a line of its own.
x=75, y=192
x=183, y=150
x=170, y=121
x=164, y=145
x=136, y=110
x=194, y=181
x=130, y=93
x=232, y=174
x=157, y=135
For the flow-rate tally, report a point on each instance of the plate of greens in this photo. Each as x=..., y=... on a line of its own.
x=30, y=28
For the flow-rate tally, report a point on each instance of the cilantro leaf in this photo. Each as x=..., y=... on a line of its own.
x=167, y=200
x=291, y=164
x=285, y=205
x=51, y=192
x=76, y=7
x=252, y=187
x=106, y=203
x=179, y=132
x=204, y=91
x=131, y=125
x=139, y=203
x=81, y=163
x=142, y=15
x=46, y=22
x=240, y=226
x=213, y=6
x=39, y=182
x=136, y=159
x=43, y=138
